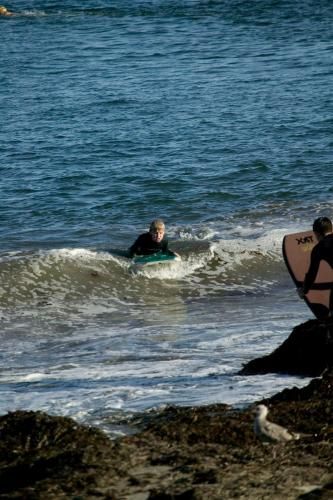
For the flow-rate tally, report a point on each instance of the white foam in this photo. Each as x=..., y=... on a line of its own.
x=266, y=244
x=195, y=234
x=32, y=377
x=175, y=270
x=31, y=13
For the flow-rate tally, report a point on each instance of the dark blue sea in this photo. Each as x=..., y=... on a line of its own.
x=215, y=115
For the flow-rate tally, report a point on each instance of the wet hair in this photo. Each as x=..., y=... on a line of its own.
x=322, y=225
x=157, y=224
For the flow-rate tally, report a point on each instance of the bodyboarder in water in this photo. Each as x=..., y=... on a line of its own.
x=322, y=227
x=152, y=242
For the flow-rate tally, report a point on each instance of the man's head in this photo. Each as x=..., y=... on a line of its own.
x=157, y=230
x=322, y=226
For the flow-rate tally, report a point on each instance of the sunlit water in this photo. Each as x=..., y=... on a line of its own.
x=215, y=116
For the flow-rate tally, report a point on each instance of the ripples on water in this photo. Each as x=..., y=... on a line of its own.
x=214, y=115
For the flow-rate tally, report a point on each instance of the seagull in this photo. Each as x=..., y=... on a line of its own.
x=267, y=431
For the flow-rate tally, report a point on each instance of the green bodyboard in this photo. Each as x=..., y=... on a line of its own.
x=155, y=258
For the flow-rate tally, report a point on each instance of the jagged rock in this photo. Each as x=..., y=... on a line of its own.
x=308, y=351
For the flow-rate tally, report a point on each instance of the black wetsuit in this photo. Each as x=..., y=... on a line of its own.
x=144, y=245
x=322, y=251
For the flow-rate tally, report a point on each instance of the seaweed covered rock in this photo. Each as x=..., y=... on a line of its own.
x=308, y=351
x=43, y=456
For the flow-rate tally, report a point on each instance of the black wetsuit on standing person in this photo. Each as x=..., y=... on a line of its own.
x=144, y=245
x=322, y=251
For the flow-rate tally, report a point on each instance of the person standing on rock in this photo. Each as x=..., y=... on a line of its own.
x=322, y=227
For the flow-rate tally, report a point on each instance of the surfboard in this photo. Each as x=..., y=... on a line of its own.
x=154, y=259
x=296, y=249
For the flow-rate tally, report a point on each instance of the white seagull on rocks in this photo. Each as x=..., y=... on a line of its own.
x=267, y=431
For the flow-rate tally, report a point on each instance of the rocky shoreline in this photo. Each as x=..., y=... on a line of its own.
x=183, y=453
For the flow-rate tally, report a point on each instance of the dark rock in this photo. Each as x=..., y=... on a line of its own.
x=323, y=493
x=308, y=351
x=35, y=446
x=318, y=389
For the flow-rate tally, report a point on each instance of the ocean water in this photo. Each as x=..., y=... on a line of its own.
x=214, y=115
